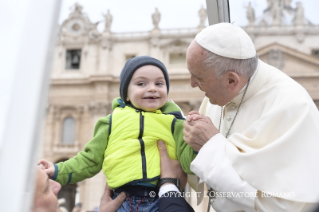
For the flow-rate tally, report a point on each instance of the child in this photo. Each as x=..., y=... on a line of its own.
x=124, y=145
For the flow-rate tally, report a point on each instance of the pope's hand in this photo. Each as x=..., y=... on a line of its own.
x=198, y=129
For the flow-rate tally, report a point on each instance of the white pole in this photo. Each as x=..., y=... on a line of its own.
x=217, y=11
x=27, y=41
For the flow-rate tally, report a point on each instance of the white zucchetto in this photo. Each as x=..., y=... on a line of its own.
x=227, y=40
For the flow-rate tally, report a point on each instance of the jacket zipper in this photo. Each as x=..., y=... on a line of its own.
x=142, y=145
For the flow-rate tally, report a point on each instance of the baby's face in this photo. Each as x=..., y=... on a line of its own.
x=147, y=89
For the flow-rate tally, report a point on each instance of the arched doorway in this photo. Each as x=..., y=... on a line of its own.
x=67, y=192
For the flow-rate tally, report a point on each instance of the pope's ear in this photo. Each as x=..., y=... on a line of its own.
x=233, y=80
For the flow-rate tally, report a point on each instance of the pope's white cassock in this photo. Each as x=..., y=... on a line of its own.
x=272, y=148
x=270, y=160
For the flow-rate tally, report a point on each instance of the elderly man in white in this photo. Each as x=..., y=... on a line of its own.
x=257, y=130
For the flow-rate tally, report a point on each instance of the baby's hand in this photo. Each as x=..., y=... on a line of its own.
x=193, y=112
x=194, y=116
x=47, y=166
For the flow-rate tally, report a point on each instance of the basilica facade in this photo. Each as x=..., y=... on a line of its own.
x=87, y=64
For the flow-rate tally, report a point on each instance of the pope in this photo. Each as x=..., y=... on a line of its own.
x=257, y=130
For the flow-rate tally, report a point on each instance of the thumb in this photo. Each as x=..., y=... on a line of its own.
x=118, y=201
x=162, y=149
x=208, y=120
x=42, y=164
x=107, y=193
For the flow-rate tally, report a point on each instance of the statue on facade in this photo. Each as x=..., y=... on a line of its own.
x=93, y=31
x=276, y=13
x=250, y=14
x=156, y=18
x=77, y=10
x=300, y=15
x=202, y=13
x=287, y=3
x=269, y=3
x=108, y=18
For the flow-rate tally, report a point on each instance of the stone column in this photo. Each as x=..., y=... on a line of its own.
x=154, y=47
x=104, y=54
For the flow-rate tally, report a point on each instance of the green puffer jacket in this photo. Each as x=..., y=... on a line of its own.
x=125, y=146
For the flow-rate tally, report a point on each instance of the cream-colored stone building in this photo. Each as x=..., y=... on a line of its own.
x=87, y=64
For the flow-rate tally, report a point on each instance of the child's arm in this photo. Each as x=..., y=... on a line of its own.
x=185, y=153
x=88, y=162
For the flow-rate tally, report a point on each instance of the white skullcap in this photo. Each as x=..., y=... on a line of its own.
x=227, y=40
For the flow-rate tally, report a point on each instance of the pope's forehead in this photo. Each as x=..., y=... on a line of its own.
x=195, y=51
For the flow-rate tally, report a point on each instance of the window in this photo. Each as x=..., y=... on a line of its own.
x=129, y=56
x=315, y=52
x=73, y=59
x=68, y=130
x=177, y=58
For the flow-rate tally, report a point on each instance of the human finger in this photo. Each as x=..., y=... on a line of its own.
x=43, y=163
x=41, y=166
x=208, y=120
x=118, y=201
x=107, y=192
x=163, y=150
x=47, y=166
x=193, y=112
x=197, y=117
x=186, y=131
x=107, y=204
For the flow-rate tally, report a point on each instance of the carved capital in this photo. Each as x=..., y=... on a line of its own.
x=300, y=36
x=99, y=108
x=107, y=44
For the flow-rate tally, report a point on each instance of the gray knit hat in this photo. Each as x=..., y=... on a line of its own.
x=132, y=65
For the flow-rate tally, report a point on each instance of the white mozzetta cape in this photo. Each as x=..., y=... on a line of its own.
x=273, y=144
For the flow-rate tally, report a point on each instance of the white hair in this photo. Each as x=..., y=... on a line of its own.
x=222, y=65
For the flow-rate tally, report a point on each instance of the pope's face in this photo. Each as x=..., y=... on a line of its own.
x=45, y=195
x=213, y=87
